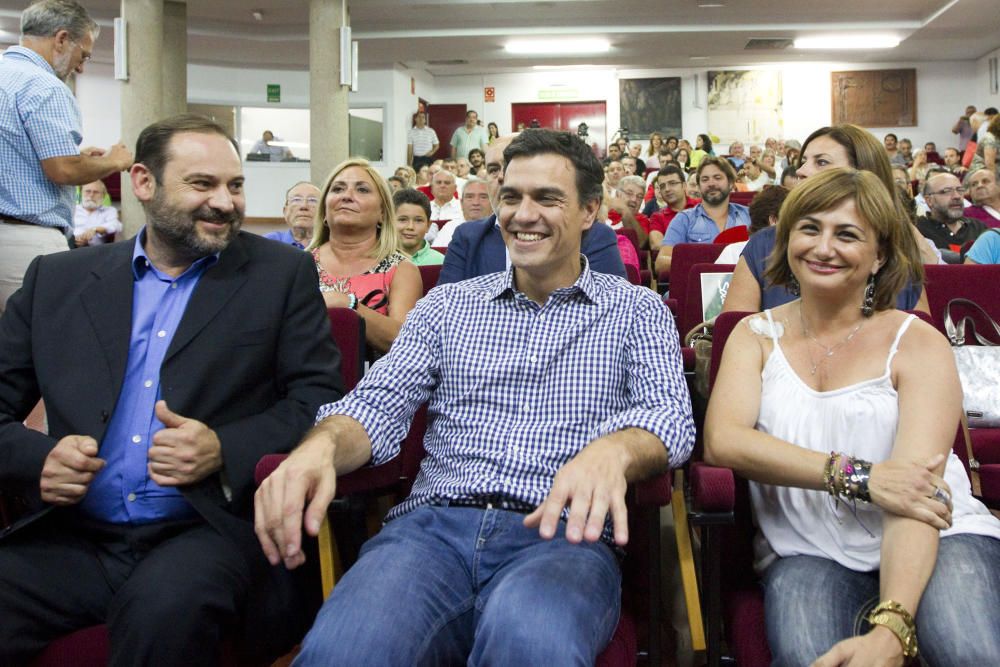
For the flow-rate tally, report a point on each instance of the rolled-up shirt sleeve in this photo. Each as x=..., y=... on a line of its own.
x=655, y=385
x=390, y=393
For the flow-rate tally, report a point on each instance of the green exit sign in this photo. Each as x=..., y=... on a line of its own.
x=273, y=92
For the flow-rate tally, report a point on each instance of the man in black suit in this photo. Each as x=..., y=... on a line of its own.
x=477, y=248
x=168, y=365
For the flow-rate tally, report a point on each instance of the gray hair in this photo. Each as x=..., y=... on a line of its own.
x=47, y=17
x=632, y=179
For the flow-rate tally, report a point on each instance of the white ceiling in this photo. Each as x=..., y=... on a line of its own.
x=467, y=36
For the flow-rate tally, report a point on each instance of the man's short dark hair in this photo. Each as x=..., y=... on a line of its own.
x=990, y=111
x=765, y=204
x=589, y=173
x=720, y=163
x=891, y=134
x=47, y=17
x=477, y=150
x=151, y=146
x=669, y=169
x=411, y=196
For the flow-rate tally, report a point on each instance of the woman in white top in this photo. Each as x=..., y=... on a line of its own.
x=842, y=412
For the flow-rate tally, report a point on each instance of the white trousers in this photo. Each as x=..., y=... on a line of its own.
x=19, y=244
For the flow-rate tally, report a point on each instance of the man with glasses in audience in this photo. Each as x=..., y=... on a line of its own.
x=301, y=202
x=40, y=134
x=945, y=223
x=670, y=188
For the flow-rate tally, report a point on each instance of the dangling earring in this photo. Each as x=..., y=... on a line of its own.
x=868, y=306
x=793, y=287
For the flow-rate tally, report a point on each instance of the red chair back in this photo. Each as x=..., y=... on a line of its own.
x=976, y=282
x=733, y=235
x=692, y=314
x=743, y=198
x=347, y=329
x=429, y=275
x=684, y=256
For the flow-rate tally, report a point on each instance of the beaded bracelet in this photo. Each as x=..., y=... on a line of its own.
x=847, y=477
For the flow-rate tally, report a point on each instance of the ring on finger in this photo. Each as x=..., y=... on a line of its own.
x=941, y=495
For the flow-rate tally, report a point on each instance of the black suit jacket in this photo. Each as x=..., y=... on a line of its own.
x=477, y=248
x=252, y=358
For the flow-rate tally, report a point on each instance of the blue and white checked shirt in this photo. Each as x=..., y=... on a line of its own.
x=516, y=390
x=39, y=119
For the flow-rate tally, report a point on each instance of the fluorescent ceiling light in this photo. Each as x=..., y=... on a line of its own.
x=558, y=46
x=847, y=42
x=568, y=67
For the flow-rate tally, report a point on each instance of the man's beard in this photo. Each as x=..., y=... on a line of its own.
x=178, y=229
x=60, y=65
x=715, y=197
x=90, y=204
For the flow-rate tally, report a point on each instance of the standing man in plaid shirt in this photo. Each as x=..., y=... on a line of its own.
x=549, y=388
x=40, y=135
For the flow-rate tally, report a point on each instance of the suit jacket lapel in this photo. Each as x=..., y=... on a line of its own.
x=215, y=288
x=108, y=304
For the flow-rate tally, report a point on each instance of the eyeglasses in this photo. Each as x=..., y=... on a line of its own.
x=947, y=192
x=670, y=184
x=299, y=201
x=85, y=54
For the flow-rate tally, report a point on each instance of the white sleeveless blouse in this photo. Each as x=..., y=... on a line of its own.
x=859, y=420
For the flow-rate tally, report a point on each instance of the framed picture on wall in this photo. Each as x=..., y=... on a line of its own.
x=650, y=105
x=875, y=98
x=745, y=105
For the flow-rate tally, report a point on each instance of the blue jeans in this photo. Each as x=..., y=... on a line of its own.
x=812, y=603
x=459, y=585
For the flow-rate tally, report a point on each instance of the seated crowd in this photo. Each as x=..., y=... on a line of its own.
x=171, y=363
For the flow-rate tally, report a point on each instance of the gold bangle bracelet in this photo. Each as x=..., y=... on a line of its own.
x=895, y=608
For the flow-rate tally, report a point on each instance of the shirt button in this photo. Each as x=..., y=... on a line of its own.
x=161, y=333
x=525, y=407
x=136, y=438
x=131, y=497
x=534, y=359
x=147, y=384
x=173, y=285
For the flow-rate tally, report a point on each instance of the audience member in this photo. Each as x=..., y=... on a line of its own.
x=478, y=248
x=301, y=205
x=767, y=164
x=985, y=194
x=547, y=580
x=423, y=176
x=421, y=142
x=789, y=177
x=986, y=146
x=408, y=175
x=792, y=152
x=963, y=128
x=735, y=156
x=477, y=160
x=703, y=149
x=673, y=144
x=41, y=157
x=918, y=171
x=906, y=151
x=715, y=213
x=669, y=188
x=469, y=136
x=752, y=177
x=444, y=206
x=684, y=159
x=355, y=246
x=413, y=219
x=901, y=178
x=838, y=396
x=930, y=147
x=475, y=206
x=691, y=186
x=843, y=145
x=989, y=115
x=652, y=156
x=635, y=151
x=269, y=145
x=953, y=162
x=169, y=364
x=613, y=173
x=763, y=213
x=395, y=184
x=629, y=165
x=614, y=154
x=462, y=168
x=494, y=133
x=945, y=223
x=623, y=210
x=93, y=222
x=891, y=143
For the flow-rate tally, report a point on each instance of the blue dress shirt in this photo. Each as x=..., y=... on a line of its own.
x=694, y=225
x=284, y=237
x=39, y=119
x=122, y=492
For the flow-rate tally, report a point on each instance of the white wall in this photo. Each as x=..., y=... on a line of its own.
x=982, y=97
x=99, y=97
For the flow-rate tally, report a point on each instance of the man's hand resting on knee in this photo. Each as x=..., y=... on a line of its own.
x=69, y=469
x=594, y=482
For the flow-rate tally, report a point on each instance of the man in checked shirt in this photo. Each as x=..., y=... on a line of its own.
x=550, y=388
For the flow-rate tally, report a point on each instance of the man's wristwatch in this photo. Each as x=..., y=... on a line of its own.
x=894, y=616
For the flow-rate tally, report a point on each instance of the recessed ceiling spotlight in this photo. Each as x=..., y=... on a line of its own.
x=700, y=57
x=560, y=47
x=257, y=15
x=847, y=42
x=711, y=5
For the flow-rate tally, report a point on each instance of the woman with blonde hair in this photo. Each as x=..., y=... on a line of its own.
x=356, y=249
x=841, y=411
